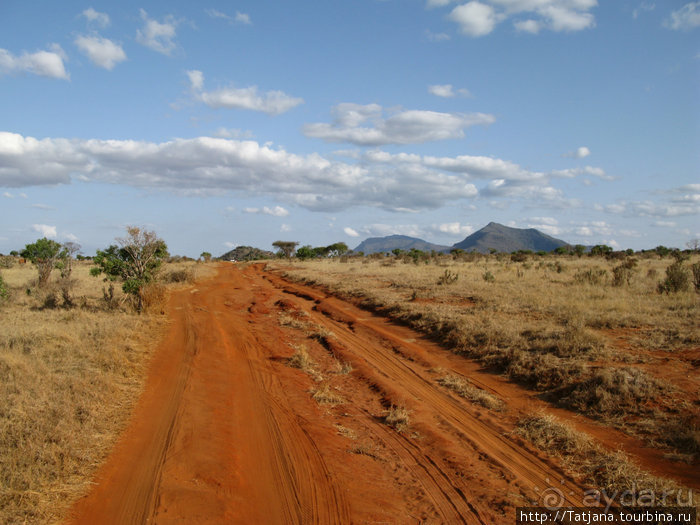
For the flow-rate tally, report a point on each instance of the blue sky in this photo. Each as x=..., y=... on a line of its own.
x=242, y=122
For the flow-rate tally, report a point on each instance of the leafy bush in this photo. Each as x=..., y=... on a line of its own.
x=592, y=276
x=696, y=276
x=488, y=277
x=448, y=277
x=622, y=273
x=677, y=278
x=4, y=291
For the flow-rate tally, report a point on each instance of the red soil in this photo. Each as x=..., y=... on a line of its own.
x=227, y=432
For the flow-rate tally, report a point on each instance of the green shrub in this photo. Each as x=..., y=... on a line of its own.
x=696, y=276
x=622, y=273
x=4, y=291
x=677, y=278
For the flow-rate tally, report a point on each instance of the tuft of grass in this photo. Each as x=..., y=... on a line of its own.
x=546, y=329
x=613, y=472
x=301, y=359
x=326, y=395
x=465, y=389
x=614, y=391
x=398, y=417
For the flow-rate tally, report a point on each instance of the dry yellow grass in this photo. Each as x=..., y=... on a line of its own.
x=68, y=380
x=573, y=328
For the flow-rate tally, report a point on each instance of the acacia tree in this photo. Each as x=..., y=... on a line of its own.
x=135, y=261
x=285, y=247
x=206, y=256
x=45, y=254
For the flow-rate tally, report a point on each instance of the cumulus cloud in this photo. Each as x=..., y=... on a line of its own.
x=676, y=202
x=271, y=102
x=92, y=16
x=101, y=51
x=277, y=211
x=548, y=225
x=685, y=18
x=447, y=91
x=579, y=153
x=480, y=18
x=45, y=230
x=454, y=228
x=243, y=18
x=209, y=165
x=42, y=63
x=158, y=36
x=350, y=232
x=366, y=125
x=474, y=18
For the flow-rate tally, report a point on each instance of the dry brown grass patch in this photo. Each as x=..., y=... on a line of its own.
x=325, y=394
x=465, y=389
x=398, y=417
x=613, y=472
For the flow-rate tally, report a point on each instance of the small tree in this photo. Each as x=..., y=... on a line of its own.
x=306, y=252
x=337, y=249
x=579, y=250
x=286, y=248
x=45, y=254
x=135, y=261
x=206, y=256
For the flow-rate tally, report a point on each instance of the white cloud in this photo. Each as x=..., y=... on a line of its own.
x=271, y=102
x=101, y=19
x=214, y=13
x=233, y=133
x=8, y=195
x=158, y=36
x=437, y=3
x=277, y=211
x=685, y=18
x=474, y=18
x=644, y=6
x=45, y=230
x=285, y=228
x=436, y=37
x=454, y=228
x=209, y=165
x=230, y=245
x=350, y=232
x=479, y=18
x=676, y=202
x=43, y=207
x=243, y=18
x=404, y=127
x=101, y=51
x=528, y=26
x=382, y=230
x=579, y=153
x=447, y=91
x=548, y=225
x=42, y=63
x=665, y=224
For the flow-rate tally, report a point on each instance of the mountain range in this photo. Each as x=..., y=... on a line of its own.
x=492, y=237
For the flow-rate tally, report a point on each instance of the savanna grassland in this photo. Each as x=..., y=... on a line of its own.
x=73, y=358
x=611, y=339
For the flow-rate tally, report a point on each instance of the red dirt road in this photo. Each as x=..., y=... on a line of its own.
x=227, y=432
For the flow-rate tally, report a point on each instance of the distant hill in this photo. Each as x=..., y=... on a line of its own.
x=504, y=239
x=246, y=253
x=402, y=242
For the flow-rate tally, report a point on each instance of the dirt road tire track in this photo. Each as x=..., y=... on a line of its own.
x=226, y=432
